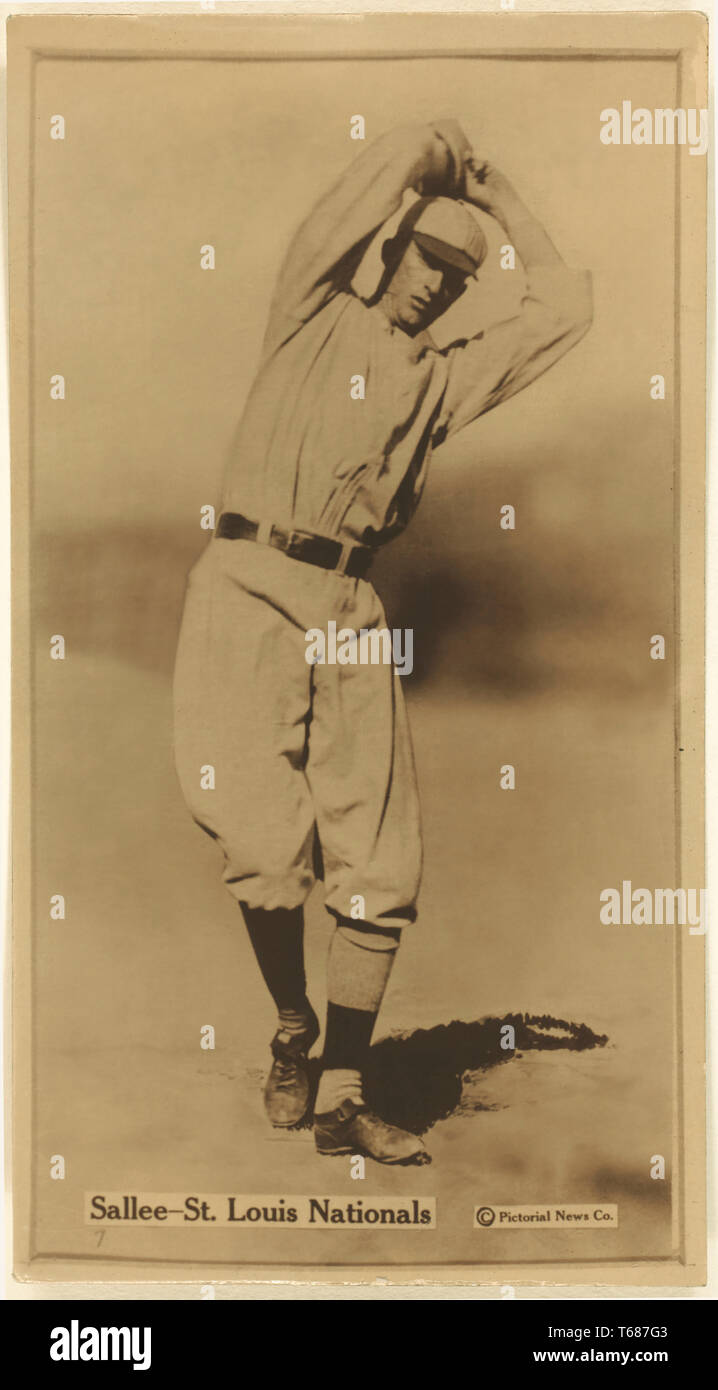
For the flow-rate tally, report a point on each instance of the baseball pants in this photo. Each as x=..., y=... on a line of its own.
x=279, y=759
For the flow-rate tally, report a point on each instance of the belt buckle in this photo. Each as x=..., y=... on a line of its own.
x=294, y=543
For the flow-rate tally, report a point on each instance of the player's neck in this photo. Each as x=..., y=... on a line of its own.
x=388, y=307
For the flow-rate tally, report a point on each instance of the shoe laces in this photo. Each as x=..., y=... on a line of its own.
x=285, y=1070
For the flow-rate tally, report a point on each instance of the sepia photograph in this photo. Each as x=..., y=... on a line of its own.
x=358, y=469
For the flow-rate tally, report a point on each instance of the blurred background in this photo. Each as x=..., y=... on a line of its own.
x=530, y=647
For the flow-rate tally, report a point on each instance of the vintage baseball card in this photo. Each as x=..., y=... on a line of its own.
x=358, y=386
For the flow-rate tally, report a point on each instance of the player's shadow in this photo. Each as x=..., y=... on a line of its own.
x=414, y=1079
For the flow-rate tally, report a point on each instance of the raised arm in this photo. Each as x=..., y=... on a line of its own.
x=556, y=311
x=327, y=248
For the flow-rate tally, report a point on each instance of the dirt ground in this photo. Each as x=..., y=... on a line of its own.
x=153, y=948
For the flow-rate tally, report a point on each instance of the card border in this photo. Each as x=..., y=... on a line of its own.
x=682, y=40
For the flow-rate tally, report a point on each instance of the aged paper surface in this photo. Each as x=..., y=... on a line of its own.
x=179, y=351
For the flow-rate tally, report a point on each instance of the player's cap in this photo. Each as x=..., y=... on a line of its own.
x=446, y=228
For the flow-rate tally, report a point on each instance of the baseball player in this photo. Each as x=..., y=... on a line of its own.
x=313, y=764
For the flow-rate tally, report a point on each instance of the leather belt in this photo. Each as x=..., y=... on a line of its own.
x=352, y=560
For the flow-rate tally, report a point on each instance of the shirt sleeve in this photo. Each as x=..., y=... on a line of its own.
x=327, y=248
x=556, y=312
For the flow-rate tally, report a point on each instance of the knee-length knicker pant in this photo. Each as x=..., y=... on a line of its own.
x=299, y=753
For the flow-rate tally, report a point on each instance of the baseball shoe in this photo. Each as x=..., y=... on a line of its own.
x=286, y=1094
x=355, y=1129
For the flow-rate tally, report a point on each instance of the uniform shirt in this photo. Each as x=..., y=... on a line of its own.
x=310, y=456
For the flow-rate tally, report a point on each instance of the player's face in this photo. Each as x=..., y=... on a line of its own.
x=421, y=288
